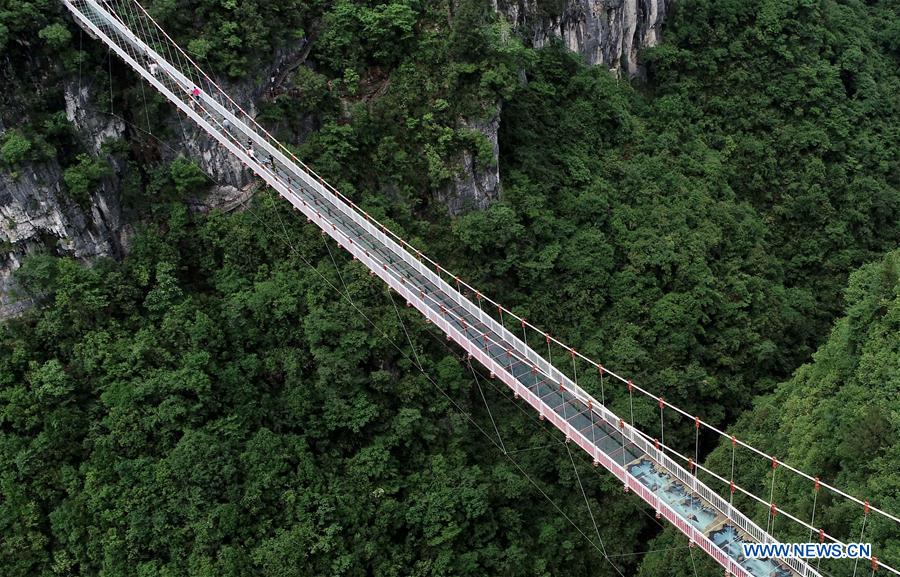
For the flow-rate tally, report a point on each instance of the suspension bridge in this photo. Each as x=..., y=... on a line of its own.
x=488, y=332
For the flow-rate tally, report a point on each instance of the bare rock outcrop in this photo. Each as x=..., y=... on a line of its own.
x=605, y=32
x=476, y=182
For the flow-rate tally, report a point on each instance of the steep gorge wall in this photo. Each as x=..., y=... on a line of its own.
x=476, y=184
x=37, y=213
x=605, y=32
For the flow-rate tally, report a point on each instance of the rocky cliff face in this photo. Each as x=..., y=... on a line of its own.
x=476, y=183
x=605, y=32
x=37, y=214
x=50, y=220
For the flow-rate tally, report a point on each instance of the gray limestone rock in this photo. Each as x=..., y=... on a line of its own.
x=605, y=32
x=476, y=184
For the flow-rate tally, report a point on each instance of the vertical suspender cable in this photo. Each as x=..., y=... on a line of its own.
x=574, y=369
x=624, y=472
x=631, y=400
x=696, y=454
x=812, y=521
x=861, y=533
x=662, y=433
x=771, y=518
x=80, y=57
x=731, y=488
x=109, y=59
x=602, y=392
x=574, y=372
x=146, y=112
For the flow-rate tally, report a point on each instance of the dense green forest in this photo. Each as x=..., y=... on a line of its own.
x=210, y=405
x=837, y=416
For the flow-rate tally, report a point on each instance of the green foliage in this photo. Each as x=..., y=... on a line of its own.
x=18, y=17
x=30, y=145
x=56, y=36
x=231, y=36
x=82, y=179
x=211, y=389
x=313, y=89
x=187, y=177
x=355, y=34
x=836, y=418
x=389, y=28
x=15, y=148
x=36, y=42
x=697, y=234
x=208, y=407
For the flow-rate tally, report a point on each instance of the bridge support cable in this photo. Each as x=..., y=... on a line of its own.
x=587, y=504
x=705, y=424
x=487, y=406
x=593, y=464
x=111, y=97
x=773, y=510
x=662, y=430
x=602, y=389
x=694, y=565
x=862, y=533
x=812, y=521
x=731, y=480
x=388, y=256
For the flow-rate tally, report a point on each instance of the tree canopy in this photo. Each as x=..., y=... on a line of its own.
x=835, y=418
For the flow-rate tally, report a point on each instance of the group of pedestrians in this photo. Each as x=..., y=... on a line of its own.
x=195, y=101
